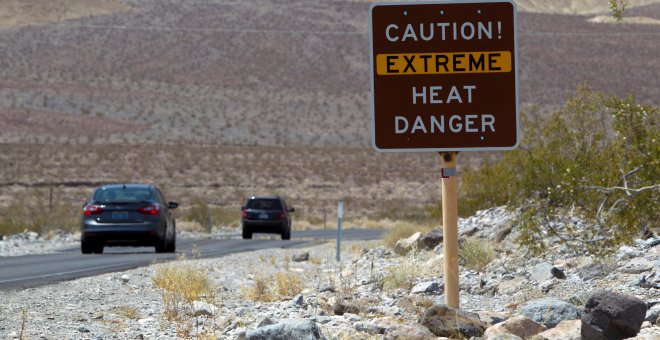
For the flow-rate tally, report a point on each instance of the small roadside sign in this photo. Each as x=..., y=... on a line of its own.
x=444, y=76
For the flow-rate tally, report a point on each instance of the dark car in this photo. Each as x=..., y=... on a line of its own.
x=266, y=215
x=128, y=215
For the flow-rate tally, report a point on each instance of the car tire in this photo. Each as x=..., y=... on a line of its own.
x=247, y=234
x=171, y=243
x=98, y=249
x=286, y=235
x=161, y=245
x=86, y=247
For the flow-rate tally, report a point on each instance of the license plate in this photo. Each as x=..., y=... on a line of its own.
x=120, y=215
x=263, y=216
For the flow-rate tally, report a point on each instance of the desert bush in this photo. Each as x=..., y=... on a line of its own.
x=587, y=174
x=476, y=253
x=182, y=283
x=288, y=284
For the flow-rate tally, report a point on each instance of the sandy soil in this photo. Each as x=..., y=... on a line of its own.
x=15, y=13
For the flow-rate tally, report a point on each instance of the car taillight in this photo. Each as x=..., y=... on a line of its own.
x=152, y=209
x=282, y=215
x=91, y=209
x=244, y=214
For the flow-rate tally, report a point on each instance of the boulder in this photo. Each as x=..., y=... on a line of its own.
x=504, y=336
x=565, y=330
x=201, y=308
x=426, y=287
x=558, y=273
x=404, y=331
x=431, y=239
x=405, y=245
x=612, y=315
x=286, y=329
x=550, y=311
x=302, y=257
x=519, y=326
x=542, y=272
x=502, y=230
x=443, y=320
x=653, y=314
x=595, y=270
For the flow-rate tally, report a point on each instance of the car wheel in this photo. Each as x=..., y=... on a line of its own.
x=161, y=246
x=171, y=244
x=247, y=234
x=286, y=235
x=98, y=249
x=86, y=247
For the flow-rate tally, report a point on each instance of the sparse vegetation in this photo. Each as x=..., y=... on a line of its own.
x=596, y=160
x=403, y=230
x=31, y=211
x=476, y=253
x=618, y=8
x=282, y=285
x=182, y=283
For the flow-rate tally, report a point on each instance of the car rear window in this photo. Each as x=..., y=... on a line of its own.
x=122, y=195
x=264, y=204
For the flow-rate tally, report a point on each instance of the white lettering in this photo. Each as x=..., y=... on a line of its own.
x=458, y=123
x=469, y=88
x=453, y=95
x=445, y=31
x=409, y=33
x=469, y=121
x=419, y=125
x=455, y=127
x=416, y=94
x=440, y=125
x=467, y=36
x=488, y=120
x=487, y=31
x=397, y=121
x=387, y=32
x=434, y=95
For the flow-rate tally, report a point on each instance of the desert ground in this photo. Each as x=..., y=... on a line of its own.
x=219, y=100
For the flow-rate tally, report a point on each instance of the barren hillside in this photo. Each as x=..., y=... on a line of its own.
x=265, y=72
x=80, y=80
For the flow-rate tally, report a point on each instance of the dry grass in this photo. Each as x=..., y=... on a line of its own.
x=410, y=270
x=127, y=312
x=402, y=230
x=476, y=253
x=182, y=283
x=282, y=285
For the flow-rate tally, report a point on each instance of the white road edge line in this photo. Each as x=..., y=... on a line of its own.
x=62, y=273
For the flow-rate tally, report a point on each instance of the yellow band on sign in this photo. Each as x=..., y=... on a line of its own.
x=443, y=63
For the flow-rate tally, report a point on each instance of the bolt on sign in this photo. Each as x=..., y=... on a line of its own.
x=444, y=76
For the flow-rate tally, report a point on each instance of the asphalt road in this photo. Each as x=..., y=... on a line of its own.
x=21, y=272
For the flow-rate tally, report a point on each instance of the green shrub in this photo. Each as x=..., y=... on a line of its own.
x=594, y=160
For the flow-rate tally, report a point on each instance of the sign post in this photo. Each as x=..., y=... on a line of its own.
x=444, y=79
x=450, y=227
x=340, y=217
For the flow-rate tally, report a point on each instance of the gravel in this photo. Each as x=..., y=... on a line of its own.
x=128, y=305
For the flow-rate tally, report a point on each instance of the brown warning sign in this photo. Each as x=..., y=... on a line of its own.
x=444, y=76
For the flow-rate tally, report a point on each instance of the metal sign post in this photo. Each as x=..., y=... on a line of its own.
x=340, y=215
x=450, y=227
